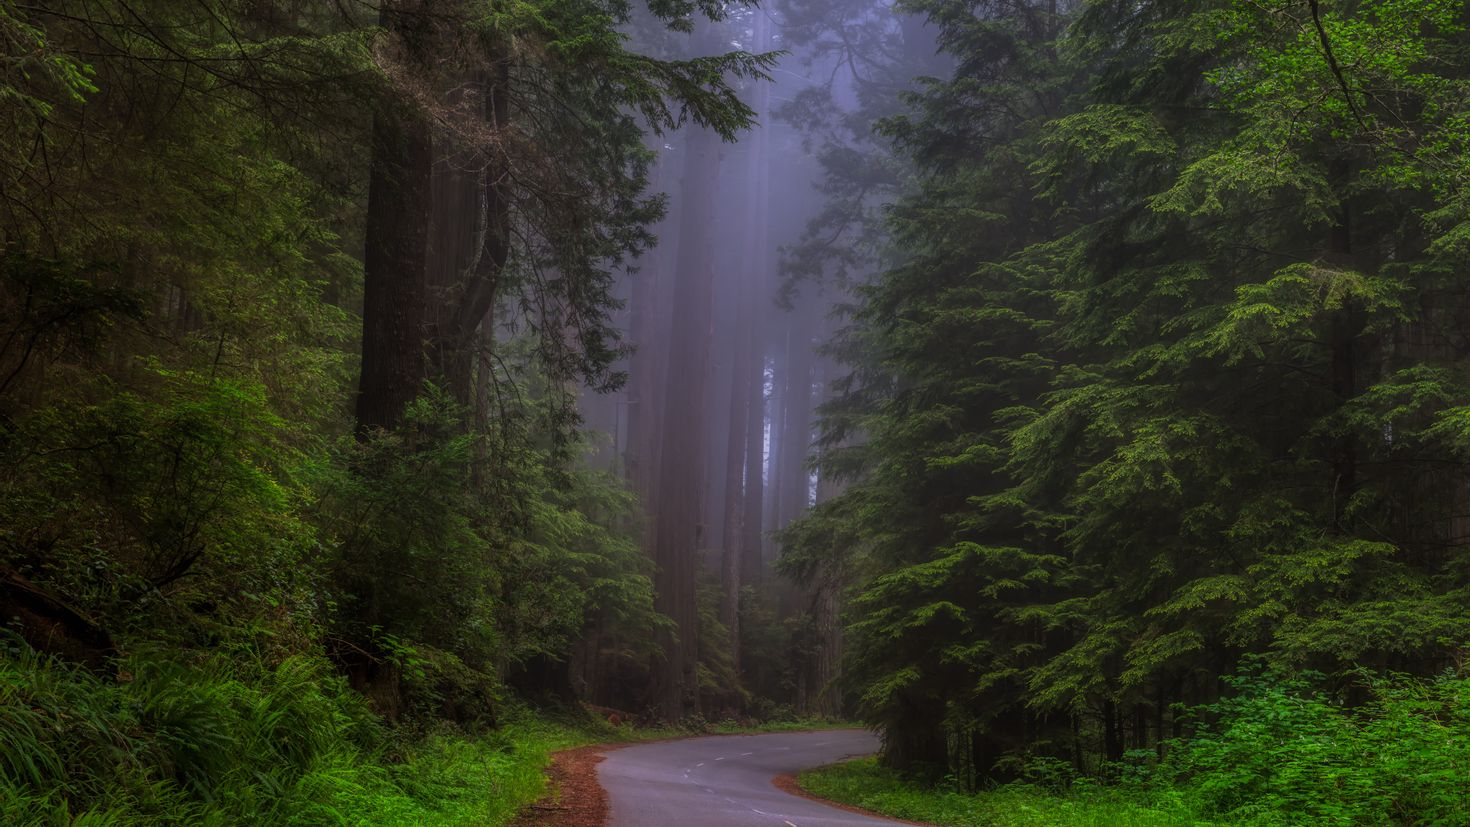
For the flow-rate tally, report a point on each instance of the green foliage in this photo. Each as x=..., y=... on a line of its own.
x=172, y=508
x=213, y=740
x=179, y=742
x=1160, y=377
x=863, y=783
x=480, y=544
x=1276, y=750
x=1282, y=751
x=184, y=188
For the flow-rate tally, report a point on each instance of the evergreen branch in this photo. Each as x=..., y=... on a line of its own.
x=1332, y=63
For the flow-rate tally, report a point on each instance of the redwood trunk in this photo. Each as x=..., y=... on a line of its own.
x=682, y=463
x=394, y=257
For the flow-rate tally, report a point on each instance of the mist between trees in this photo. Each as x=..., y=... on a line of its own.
x=1010, y=376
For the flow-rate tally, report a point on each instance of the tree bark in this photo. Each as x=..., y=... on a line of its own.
x=682, y=464
x=394, y=258
x=742, y=385
x=796, y=424
x=468, y=257
x=649, y=324
x=746, y=385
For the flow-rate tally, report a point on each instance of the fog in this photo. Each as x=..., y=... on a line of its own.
x=728, y=317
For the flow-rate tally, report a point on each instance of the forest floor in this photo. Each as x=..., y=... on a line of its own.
x=871, y=788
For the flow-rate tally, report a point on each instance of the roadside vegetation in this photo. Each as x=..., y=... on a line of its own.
x=864, y=783
x=189, y=741
x=1157, y=431
x=378, y=378
x=261, y=562
x=1278, y=751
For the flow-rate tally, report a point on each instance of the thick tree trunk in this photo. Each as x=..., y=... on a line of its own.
x=776, y=431
x=825, y=606
x=795, y=493
x=752, y=556
x=746, y=386
x=649, y=324
x=394, y=258
x=471, y=243
x=682, y=464
x=742, y=382
x=820, y=697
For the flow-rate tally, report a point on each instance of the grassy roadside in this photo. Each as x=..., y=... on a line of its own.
x=487, y=780
x=208, y=740
x=864, y=784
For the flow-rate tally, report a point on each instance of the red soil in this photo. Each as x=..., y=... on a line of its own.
x=576, y=799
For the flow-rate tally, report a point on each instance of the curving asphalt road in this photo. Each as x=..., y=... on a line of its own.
x=725, y=780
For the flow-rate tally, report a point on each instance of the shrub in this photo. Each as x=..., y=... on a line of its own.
x=1280, y=750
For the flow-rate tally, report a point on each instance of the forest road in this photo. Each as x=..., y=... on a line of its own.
x=725, y=781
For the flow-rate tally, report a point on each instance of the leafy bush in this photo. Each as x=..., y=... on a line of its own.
x=201, y=740
x=866, y=784
x=490, y=548
x=161, y=505
x=1280, y=750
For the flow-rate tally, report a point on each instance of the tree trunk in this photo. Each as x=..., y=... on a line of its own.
x=649, y=324
x=752, y=557
x=780, y=357
x=682, y=464
x=472, y=235
x=797, y=428
x=742, y=383
x=746, y=385
x=394, y=257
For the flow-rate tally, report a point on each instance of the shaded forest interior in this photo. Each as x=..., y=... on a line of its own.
x=1067, y=389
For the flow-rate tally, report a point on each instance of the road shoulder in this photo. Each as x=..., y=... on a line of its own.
x=573, y=798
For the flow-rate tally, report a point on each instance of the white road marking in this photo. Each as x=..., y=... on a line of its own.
x=700, y=764
x=743, y=754
x=721, y=758
x=789, y=824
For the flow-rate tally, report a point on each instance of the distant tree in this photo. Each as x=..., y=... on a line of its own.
x=560, y=169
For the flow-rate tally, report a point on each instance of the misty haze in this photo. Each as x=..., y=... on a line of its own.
x=688, y=413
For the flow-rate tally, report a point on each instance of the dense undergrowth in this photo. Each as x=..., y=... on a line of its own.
x=209, y=739
x=1277, y=751
x=201, y=740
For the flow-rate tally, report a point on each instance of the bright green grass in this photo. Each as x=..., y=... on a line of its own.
x=864, y=784
x=453, y=780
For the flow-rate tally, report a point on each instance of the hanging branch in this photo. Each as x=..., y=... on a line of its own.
x=1332, y=63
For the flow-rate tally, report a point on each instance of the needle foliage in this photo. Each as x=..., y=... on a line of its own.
x=1171, y=373
x=223, y=602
